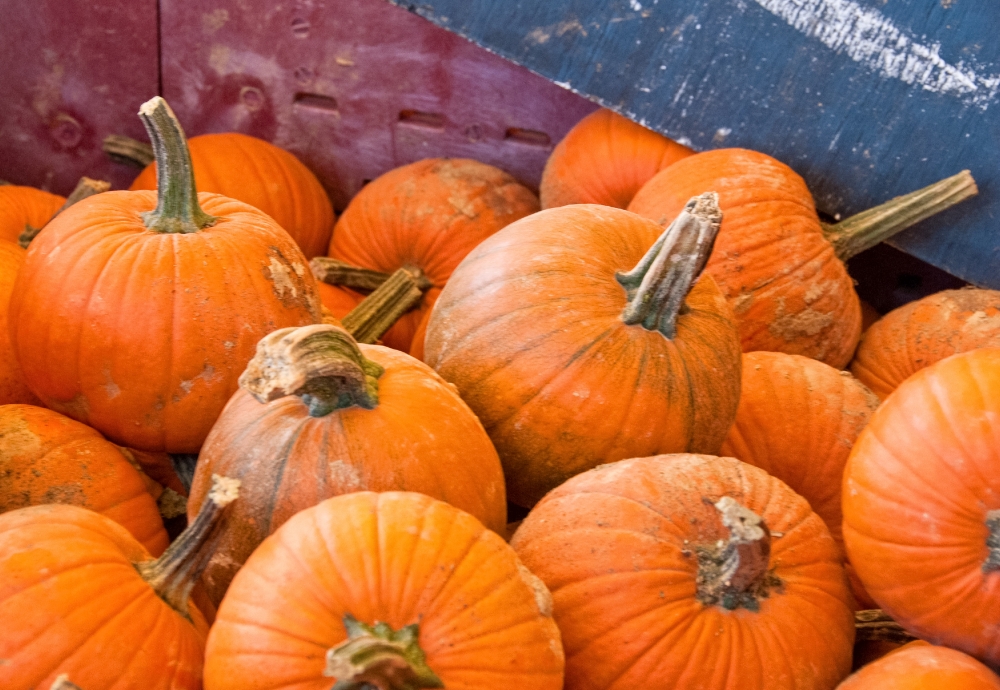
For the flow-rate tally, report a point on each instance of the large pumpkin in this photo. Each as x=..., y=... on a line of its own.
x=569, y=362
x=781, y=270
x=690, y=571
x=426, y=216
x=13, y=389
x=392, y=590
x=922, y=504
x=48, y=458
x=25, y=206
x=136, y=312
x=82, y=600
x=605, y=159
x=268, y=178
x=926, y=331
x=920, y=666
x=321, y=416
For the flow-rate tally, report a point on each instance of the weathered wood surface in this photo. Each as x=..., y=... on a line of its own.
x=866, y=99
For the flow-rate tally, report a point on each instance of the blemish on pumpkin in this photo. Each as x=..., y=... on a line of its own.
x=346, y=475
x=281, y=279
x=742, y=303
x=806, y=322
x=542, y=597
x=229, y=344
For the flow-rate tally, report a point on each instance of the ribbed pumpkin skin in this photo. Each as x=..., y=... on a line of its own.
x=339, y=300
x=421, y=437
x=921, y=333
x=268, y=178
x=615, y=547
x=427, y=215
x=48, y=458
x=13, y=389
x=917, y=488
x=67, y=578
x=399, y=558
x=143, y=335
x=923, y=667
x=20, y=206
x=789, y=290
x=529, y=329
x=605, y=159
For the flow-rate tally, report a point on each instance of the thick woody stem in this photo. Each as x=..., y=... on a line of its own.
x=376, y=656
x=875, y=625
x=177, y=209
x=852, y=236
x=321, y=364
x=184, y=466
x=659, y=284
x=128, y=150
x=735, y=574
x=84, y=188
x=173, y=574
x=336, y=272
x=376, y=314
x=992, y=561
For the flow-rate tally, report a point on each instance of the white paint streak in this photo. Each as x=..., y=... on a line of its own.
x=634, y=5
x=868, y=37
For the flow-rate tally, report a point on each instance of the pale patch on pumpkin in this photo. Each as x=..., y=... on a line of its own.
x=346, y=475
x=742, y=303
x=543, y=600
x=281, y=279
x=807, y=322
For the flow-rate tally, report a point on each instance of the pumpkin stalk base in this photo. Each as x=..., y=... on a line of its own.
x=376, y=314
x=992, y=561
x=659, y=284
x=172, y=575
x=376, y=656
x=84, y=188
x=122, y=149
x=735, y=574
x=873, y=625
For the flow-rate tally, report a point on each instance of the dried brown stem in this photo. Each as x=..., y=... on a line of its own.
x=875, y=625
x=122, y=149
x=336, y=272
x=86, y=187
x=376, y=314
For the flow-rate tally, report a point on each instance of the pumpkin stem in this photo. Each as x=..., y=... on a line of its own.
x=122, y=149
x=875, y=624
x=173, y=574
x=177, y=208
x=84, y=188
x=992, y=561
x=852, y=236
x=735, y=574
x=658, y=285
x=336, y=272
x=321, y=364
x=376, y=656
x=376, y=314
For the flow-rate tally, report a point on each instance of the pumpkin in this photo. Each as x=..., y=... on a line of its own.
x=921, y=496
x=91, y=605
x=926, y=331
x=13, y=389
x=23, y=206
x=318, y=416
x=48, y=458
x=782, y=271
x=426, y=216
x=136, y=312
x=268, y=178
x=419, y=338
x=869, y=315
x=391, y=590
x=920, y=666
x=577, y=337
x=158, y=466
x=338, y=300
x=690, y=571
x=605, y=159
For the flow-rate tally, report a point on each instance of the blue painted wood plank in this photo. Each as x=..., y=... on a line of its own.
x=865, y=99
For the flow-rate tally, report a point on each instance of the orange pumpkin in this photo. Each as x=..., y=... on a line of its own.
x=13, y=389
x=690, y=571
x=781, y=270
x=92, y=607
x=869, y=316
x=605, y=159
x=392, y=590
x=921, y=333
x=48, y=458
x=339, y=300
x=922, y=504
x=268, y=178
x=21, y=206
x=426, y=216
x=136, y=312
x=920, y=666
x=321, y=416
x=569, y=362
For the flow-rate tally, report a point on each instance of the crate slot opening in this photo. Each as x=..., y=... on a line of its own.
x=417, y=118
x=315, y=100
x=527, y=136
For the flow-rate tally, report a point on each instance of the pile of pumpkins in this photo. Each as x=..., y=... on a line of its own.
x=649, y=362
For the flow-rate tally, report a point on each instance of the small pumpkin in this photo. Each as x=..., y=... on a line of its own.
x=426, y=216
x=263, y=175
x=920, y=666
x=318, y=416
x=48, y=458
x=13, y=389
x=781, y=269
x=690, y=571
x=605, y=159
x=921, y=504
x=161, y=299
x=926, y=331
x=22, y=206
x=92, y=607
x=579, y=337
x=391, y=590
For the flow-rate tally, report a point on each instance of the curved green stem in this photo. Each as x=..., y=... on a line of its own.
x=377, y=656
x=377, y=312
x=177, y=208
